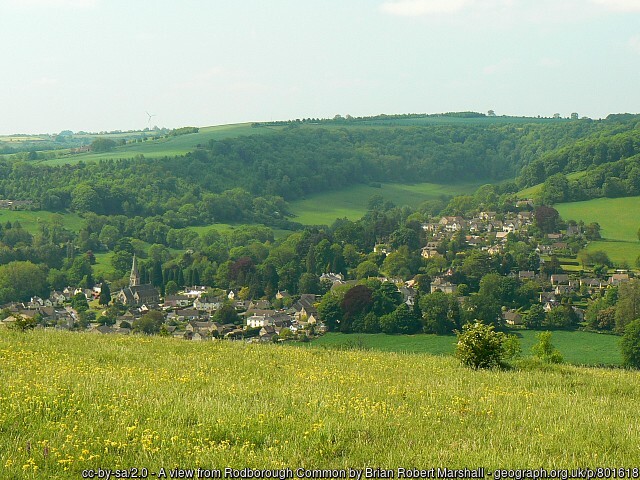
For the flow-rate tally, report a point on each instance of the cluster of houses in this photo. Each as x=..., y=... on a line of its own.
x=489, y=233
x=485, y=231
x=188, y=315
x=55, y=310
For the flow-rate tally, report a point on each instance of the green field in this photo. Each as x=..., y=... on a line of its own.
x=323, y=209
x=103, y=267
x=619, y=219
x=70, y=402
x=577, y=347
x=166, y=146
x=29, y=220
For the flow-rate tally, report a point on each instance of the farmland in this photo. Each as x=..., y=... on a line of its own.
x=578, y=348
x=352, y=202
x=29, y=220
x=619, y=219
x=74, y=401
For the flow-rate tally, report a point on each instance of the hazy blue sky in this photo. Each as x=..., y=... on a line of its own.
x=101, y=64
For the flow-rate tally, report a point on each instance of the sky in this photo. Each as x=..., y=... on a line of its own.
x=103, y=65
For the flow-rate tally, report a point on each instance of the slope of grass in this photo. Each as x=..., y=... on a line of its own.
x=71, y=402
x=619, y=219
x=29, y=220
x=577, y=347
x=352, y=202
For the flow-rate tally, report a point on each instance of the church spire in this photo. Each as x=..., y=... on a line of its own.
x=134, y=278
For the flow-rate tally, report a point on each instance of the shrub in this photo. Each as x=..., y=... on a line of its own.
x=544, y=350
x=480, y=346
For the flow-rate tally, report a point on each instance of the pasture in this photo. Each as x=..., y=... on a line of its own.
x=351, y=202
x=29, y=220
x=577, y=347
x=619, y=219
x=75, y=401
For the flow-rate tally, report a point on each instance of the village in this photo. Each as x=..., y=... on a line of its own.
x=195, y=313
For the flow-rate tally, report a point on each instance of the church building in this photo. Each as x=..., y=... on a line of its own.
x=136, y=294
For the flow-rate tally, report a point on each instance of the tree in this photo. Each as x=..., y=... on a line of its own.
x=386, y=297
x=109, y=235
x=105, y=294
x=630, y=345
x=79, y=302
x=121, y=262
x=480, y=346
x=309, y=283
x=544, y=350
x=562, y=316
x=102, y=145
x=171, y=288
x=330, y=311
x=24, y=323
x=19, y=281
x=149, y=323
x=357, y=302
x=555, y=189
x=84, y=198
x=402, y=320
x=483, y=308
x=440, y=312
x=534, y=317
x=546, y=218
x=592, y=231
x=398, y=263
x=628, y=306
x=367, y=269
x=226, y=314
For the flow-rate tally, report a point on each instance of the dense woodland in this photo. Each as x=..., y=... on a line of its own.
x=249, y=179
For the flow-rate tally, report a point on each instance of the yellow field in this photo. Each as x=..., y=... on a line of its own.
x=70, y=402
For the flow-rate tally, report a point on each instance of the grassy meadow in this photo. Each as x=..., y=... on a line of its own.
x=619, y=219
x=29, y=220
x=73, y=401
x=324, y=208
x=577, y=347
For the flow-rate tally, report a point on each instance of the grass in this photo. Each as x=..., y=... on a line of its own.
x=29, y=220
x=619, y=219
x=71, y=402
x=166, y=147
x=577, y=347
x=103, y=267
x=323, y=209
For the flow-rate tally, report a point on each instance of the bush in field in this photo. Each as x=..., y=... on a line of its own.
x=480, y=346
x=545, y=350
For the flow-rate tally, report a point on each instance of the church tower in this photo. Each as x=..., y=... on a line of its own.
x=134, y=278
